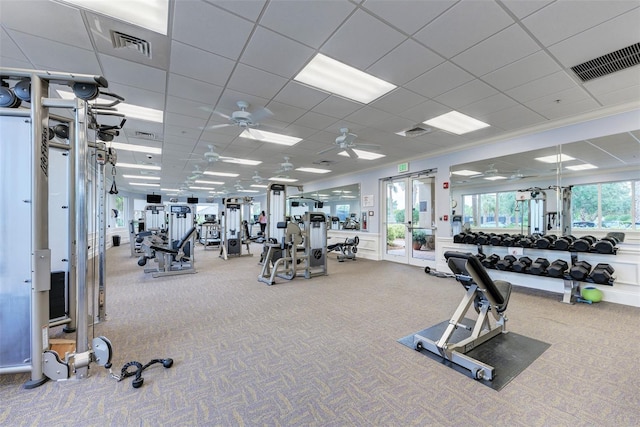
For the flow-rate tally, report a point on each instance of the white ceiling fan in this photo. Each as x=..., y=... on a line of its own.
x=209, y=156
x=243, y=118
x=257, y=178
x=345, y=142
x=285, y=166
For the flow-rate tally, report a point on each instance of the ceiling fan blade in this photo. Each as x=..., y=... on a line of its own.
x=349, y=138
x=326, y=150
x=351, y=153
x=219, y=126
x=222, y=115
x=260, y=114
x=256, y=134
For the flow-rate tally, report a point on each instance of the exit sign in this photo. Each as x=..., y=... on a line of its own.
x=403, y=167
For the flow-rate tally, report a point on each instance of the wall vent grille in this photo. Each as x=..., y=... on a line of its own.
x=609, y=63
x=126, y=41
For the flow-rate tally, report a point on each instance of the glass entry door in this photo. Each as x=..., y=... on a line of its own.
x=410, y=220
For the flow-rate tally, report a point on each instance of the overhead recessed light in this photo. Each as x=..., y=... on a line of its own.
x=240, y=161
x=137, y=166
x=229, y=174
x=150, y=14
x=264, y=136
x=144, y=184
x=495, y=178
x=259, y=186
x=150, y=178
x=129, y=110
x=248, y=191
x=136, y=148
x=333, y=76
x=201, y=188
x=170, y=189
x=555, y=158
x=465, y=172
x=582, y=167
x=365, y=155
x=200, y=181
x=281, y=179
x=456, y=122
x=313, y=170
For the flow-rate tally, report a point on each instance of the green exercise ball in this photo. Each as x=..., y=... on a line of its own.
x=592, y=294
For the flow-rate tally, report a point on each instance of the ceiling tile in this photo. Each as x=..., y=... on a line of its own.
x=255, y=81
x=367, y=116
x=497, y=51
x=558, y=111
x=532, y=67
x=439, y=80
x=514, y=117
x=180, y=120
x=563, y=19
x=361, y=41
x=522, y=8
x=480, y=109
x=463, y=26
x=315, y=121
x=544, y=86
x=468, y=93
x=210, y=28
x=621, y=86
x=47, y=54
x=8, y=49
x=285, y=112
x=425, y=111
x=408, y=16
x=199, y=64
x=184, y=87
x=405, y=63
x=299, y=95
x=137, y=96
x=246, y=9
x=610, y=36
x=63, y=23
x=274, y=53
x=336, y=106
x=309, y=22
x=132, y=74
x=398, y=101
x=189, y=107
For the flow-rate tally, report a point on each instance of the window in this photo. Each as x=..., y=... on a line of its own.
x=611, y=205
x=119, y=212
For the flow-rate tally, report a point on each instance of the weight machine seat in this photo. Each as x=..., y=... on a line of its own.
x=472, y=271
x=179, y=246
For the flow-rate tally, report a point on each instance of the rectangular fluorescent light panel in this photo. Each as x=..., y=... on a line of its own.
x=248, y=191
x=333, y=76
x=129, y=110
x=150, y=14
x=495, y=178
x=582, y=167
x=465, y=172
x=240, y=161
x=149, y=178
x=365, y=155
x=259, y=186
x=229, y=174
x=277, y=178
x=264, y=136
x=555, y=158
x=200, y=181
x=136, y=166
x=136, y=148
x=456, y=123
x=201, y=188
x=169, y=189
x=313, y=170
x=144, y=184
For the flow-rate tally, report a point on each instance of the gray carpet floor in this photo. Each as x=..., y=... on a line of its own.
x=324, y=352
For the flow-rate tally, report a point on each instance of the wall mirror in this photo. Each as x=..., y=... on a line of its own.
x=340, y=204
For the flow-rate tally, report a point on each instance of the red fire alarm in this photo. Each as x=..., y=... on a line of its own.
x=445, y=185
x=445, y=217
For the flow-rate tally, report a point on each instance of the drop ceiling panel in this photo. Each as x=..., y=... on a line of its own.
x=199, y=64
x=398, y=101
x=481, y=109
x=47, y=54
x=610, y=36
x=252, y=80
x=408, y=16
x=558, y=111
x=246, y=9
x=137, y=96
x=425, y=111
x=415, y=60
x=337, y=107
x=559, y=98
x=544, y=86
x=131, y=74
x=188, y=107
x=563, y=19
x=439, y=80
x=299, y=95
x=8, y=49
x=367, y=116
x=463, y=26
x=623, y=146
x=210, y=28
x=315, y=121
x=16, y=15
x=514, y=117
x=362, y=41
x=522, y=8
x=276, y=54
x=466, y=94
x=310, y=22
x=175, y=119
x=184, y=87
x=497, y=51
x=285, y=112
x=532, y=67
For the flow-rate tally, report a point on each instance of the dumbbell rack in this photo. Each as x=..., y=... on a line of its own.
x=571, y=291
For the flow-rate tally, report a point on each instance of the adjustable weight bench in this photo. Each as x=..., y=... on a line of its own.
x=487, y=297
x=177, y=258
x=347, y=249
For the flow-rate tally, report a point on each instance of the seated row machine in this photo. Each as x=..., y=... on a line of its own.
x=487, y=297
x=176, y=258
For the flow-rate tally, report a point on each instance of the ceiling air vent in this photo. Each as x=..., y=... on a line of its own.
x=415, y=131
x=125, y=41
x=324, y=162
x=144, y=135
x=609, y=63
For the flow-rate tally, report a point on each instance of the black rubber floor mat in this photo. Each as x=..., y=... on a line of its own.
x=509, y=353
